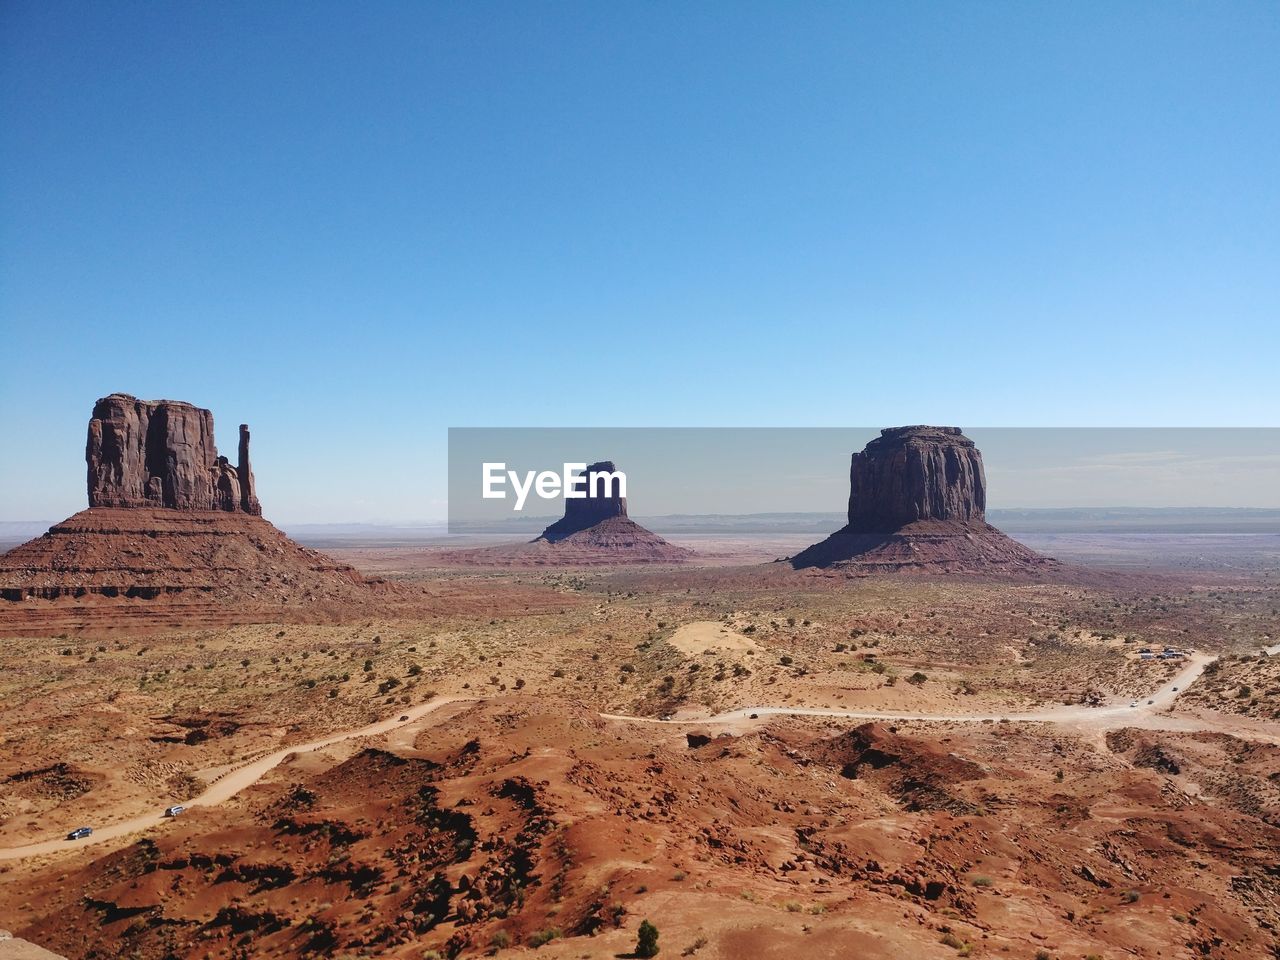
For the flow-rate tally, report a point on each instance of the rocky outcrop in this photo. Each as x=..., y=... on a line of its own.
x=916, y=473
x=594, y=531
x=244, y=470
x=161, y=453
x=603, y=501
x=174, y=527
x=918, y=502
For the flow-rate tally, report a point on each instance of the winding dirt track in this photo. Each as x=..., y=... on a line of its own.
x=237, y=779
x=229, y=784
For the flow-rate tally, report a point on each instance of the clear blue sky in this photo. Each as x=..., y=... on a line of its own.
x=354, y=225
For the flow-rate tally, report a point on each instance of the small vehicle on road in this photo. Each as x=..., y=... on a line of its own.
x=174, y=810
x=1133, y=703
x=79, y=833
x=1150, y=702
x=404, y=717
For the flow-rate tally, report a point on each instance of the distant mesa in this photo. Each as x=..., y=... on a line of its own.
x=594, y=531
x=918, y=502
x=170, y=518
x=603, y=503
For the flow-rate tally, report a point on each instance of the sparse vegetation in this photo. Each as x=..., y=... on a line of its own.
x=647, y=940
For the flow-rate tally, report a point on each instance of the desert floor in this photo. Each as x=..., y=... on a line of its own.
x=761, y=763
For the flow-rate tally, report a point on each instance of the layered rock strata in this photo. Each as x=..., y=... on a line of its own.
x=917, y=502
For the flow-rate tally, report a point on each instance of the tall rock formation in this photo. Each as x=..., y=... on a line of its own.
x=160, y=453
x=918, y=501
x=594, y=531
x=248, y=490
x=603, y=502
x=916, y=473
x=172, y=529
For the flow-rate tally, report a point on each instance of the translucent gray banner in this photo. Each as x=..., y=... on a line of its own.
x=796, y=480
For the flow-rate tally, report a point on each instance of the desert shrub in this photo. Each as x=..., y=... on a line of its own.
x=647, y=940
x=500, y=940
x=917, y=678
x=543, y=937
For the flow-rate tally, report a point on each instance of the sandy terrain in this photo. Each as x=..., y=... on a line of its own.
x=587, y=748
x=709, y=636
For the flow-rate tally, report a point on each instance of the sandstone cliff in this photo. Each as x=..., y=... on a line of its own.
x=581, y=513
x=918, y=502
x=594, y=531
x=174, y=531
x=161, y=453
x=916, y=473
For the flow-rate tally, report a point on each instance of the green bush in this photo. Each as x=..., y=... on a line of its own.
x=543, y=937
x=647, y=940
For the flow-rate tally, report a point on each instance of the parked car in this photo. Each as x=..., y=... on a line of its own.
x=79, y=833
x=174, y=810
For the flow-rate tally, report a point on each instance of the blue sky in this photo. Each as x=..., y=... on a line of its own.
x=355, y=225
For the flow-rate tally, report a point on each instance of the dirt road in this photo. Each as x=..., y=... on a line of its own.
x=227, y=785
x=1094, y=718
x=1118, y=714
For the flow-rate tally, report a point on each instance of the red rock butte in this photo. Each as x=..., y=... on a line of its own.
x=168, y=519
x=594, y=531
x=160, y=453
x=918, y=503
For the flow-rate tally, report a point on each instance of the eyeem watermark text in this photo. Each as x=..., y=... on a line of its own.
x=572, y=483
